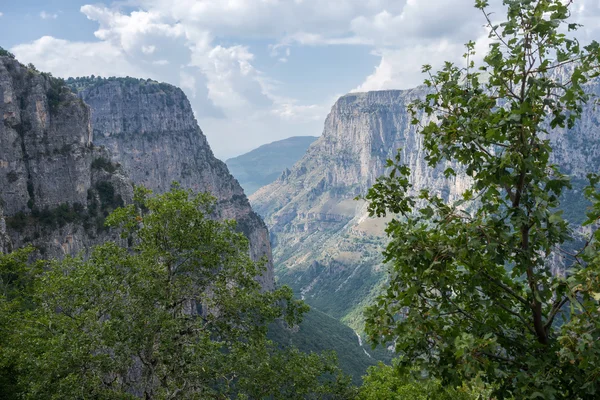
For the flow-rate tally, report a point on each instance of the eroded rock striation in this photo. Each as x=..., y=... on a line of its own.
x=65, y=164
x=150, y=130
x=52, y=195
x=325, y=245
x=5, y=245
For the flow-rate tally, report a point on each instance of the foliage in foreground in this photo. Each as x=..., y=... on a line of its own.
x=472, y=286
x=177, y=315
x=385, y=382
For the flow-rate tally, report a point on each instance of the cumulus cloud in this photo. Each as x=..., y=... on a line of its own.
x=46, y=15
x=202, y=46
x=130, y=31
x=66, y=58
x=187, y=82
x=270, y=18
x=148, y=49
x=401, y=69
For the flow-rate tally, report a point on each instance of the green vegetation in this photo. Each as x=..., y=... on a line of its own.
x=385, y=382
x=48, y=217
x=178, y=315
x=89, y=82
x=102, y=199
x=6, y=53
x=57, y=91
x=349, y=292
x=103, y=164
x=472, y=289
x=318, y=332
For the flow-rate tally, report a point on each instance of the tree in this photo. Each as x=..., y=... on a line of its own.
x=6, y=53
x=17, y=277
x=471, y=288
x=385, y=382
x=177, y=314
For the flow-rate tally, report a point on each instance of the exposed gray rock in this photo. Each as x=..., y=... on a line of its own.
x=5, y=245
x=150, y=130
x=325, y=245
x=46, y=156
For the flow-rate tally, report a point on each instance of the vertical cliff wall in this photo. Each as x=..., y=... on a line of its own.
x=5, y=245
x=325, y=245
x=51, y=193
x=150, y=130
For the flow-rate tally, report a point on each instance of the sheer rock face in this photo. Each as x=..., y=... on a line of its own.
x=48, y=150
x=5, y=245
x=45, y=147
x=149, y=128
x=46, y=156
x=362, y=131
x=325, y=245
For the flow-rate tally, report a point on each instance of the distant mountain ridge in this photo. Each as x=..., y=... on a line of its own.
x=264, y=164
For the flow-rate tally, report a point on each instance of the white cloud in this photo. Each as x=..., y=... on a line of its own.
x=148, y=49
x=204, y=43
x=46, y=15
x=233, y=82
x=400, y=69
x=65, y=58
x=269, y=18
x=129, y=31
x=187, y=82
x=1, y=14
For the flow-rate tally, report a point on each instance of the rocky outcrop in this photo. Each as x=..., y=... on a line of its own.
x=325, y=245
x=150, y=130
x=5, y=245
x=53, y=196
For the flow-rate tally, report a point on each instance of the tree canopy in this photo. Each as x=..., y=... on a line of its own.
x=177, y=313
x=473, y=283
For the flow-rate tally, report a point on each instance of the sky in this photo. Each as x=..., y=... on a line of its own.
x=255, y=71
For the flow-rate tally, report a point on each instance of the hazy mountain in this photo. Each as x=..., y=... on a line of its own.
x=264, y=164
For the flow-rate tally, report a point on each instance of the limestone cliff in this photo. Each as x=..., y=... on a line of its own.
x=150, y=130
x=325, y=245
x=52, y=195
x=5, y=245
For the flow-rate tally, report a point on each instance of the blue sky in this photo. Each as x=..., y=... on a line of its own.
x=255, y=70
